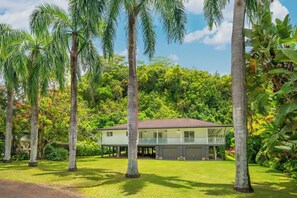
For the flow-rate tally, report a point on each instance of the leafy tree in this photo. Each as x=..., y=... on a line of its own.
x=74, y=30
x=273, y=60
x=173, y=18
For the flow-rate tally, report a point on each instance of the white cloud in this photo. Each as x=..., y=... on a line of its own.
x=279, y=11
x=218, y=37
x=199, y=35
x=173, y=57
x=228, y=11
x=194, y=6
x=17, y=12
x=222, y=36
x=123, y=53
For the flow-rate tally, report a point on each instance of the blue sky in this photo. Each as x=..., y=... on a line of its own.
x=202, y=49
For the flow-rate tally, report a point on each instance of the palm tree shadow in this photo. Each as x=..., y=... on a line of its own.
x=93, y=177
x=93, y=174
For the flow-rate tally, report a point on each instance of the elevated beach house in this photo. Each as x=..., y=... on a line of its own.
x=170, y=139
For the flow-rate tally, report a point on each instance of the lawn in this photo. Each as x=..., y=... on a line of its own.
x=98, y=177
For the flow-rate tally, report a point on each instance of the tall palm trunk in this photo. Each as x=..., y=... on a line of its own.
x=8, y=134
x=73, y=113
x=242, y=179
x=132, y=170
x=40, y=142
x=34, y=134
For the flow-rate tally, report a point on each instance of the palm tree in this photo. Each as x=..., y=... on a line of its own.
x=9, y=72
x=239, y=98
x=42, y=58
x=173, y=16
x=74, y=30
x=213, y=14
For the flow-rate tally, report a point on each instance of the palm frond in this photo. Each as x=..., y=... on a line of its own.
x=213, y=11
x=48, y=17
x=148, y=32
x=173, y=17
x=113, y=11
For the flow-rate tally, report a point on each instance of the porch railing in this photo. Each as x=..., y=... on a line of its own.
x=190, y=140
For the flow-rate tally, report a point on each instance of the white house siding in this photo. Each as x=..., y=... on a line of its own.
x=169, y=136
x=118, y=138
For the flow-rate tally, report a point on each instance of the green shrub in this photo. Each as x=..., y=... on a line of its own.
x=21, y=155
x=254, y=146
x=229, y=139
x=55, y=153
x=88, y=149
x=2, y=150
x=291, y=167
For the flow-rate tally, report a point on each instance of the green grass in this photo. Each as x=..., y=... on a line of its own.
x=98, y=177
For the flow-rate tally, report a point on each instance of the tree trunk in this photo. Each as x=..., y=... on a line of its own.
x=40, y=142
x=73, y=114
x=8, y=134
x=242, y=179
x=132, y=170
x=34, y=134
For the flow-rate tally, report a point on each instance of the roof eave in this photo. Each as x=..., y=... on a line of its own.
x=227, y=125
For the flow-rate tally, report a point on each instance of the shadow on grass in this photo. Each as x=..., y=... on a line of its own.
x=92, y=177
x=98, y=177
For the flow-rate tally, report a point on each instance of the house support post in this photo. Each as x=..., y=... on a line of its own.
x=215, y=152
x=118, y=151
x=102, y=151
x=109, y=151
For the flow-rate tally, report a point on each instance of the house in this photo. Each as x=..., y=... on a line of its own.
x=170, y=139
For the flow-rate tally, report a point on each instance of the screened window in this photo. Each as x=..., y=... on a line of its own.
x=189, y=136
x=109, y=134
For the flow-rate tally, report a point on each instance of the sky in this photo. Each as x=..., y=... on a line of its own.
x=202, y=49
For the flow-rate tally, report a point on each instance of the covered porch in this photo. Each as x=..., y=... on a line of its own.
x=182, y=136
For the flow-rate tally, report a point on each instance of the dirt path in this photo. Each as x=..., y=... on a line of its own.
x=13, y=189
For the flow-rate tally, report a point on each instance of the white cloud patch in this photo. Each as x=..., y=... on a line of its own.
x=173, y=57
x=221, y=38
x=17, y=12
x=123, y=53
x=194, y=6
x=218, y=36
x=279, y=11
x=199, y=34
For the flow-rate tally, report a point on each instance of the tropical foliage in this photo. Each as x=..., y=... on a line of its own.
x=272, y=81
x=106, y=104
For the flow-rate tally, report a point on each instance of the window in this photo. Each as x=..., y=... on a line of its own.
x=109, y=134
x=189, y=136
x=126, y=133
x=160, y=134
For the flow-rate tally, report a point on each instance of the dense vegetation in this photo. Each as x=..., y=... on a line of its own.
x=166, y=91
x=272, y=88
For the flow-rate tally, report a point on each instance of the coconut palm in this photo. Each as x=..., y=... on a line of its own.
x=172, y=13
x=213, y=14
x=74, y=30
x=8, y=71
